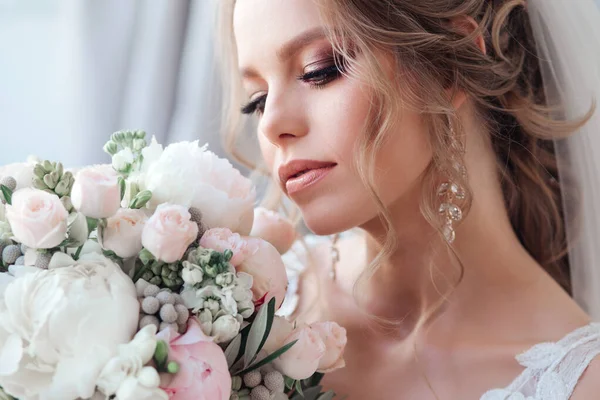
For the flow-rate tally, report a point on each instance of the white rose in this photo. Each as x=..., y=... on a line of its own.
x=334, y=337
x=68, y=322
x=123, y=232
x=123, y=159
x=225, y=328
x=273, y=228
x=169, y=232
x=302, y=359
x=130, y=361
x=189, y=175
x=37, y=218
x=96, y=192
x=21, y=172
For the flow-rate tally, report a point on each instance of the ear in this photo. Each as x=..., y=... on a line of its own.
x=468, y=27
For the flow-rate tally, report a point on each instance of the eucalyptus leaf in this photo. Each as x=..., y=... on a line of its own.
x=298, y=388
x=327, y=396
x=269, y=358
x=259, y=332
x=233, y=350
x=7, y=193
x=308, y=394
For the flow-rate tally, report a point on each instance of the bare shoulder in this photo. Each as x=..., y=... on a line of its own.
x=589, y=384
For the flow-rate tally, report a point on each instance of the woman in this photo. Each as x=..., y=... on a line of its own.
x=426, y=125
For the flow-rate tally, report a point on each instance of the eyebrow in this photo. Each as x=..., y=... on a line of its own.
x=292, y=47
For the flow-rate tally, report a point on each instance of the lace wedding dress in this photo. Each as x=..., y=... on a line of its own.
x=551, y=370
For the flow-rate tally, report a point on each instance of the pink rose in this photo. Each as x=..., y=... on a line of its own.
x=273, y=228
x=334, y=337
x=37, y=218
x=302, y=359
x=280, y=331
x=96, y=192
x=203, y=371
x=265, y=265
x=221, y=239
x=169, y=232
x=123, y=232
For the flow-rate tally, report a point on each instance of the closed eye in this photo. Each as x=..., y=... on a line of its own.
x=255, y=106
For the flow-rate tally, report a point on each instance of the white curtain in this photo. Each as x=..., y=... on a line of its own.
x=98, y=66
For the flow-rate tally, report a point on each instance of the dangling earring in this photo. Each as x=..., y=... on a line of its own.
x=335, y=257
x=452, y=213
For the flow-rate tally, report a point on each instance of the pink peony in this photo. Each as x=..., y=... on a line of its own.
x=273, y=228
x=221, y=239
x=203, y=371
x=169, y=232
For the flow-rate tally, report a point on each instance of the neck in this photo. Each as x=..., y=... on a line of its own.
x=421, y=272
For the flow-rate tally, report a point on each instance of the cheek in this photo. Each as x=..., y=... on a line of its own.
x=268, y=151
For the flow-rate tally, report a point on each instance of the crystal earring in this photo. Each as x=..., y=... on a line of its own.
x=450, y=192
x=335, y=257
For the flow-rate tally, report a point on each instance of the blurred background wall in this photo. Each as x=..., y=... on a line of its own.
x=74, y=71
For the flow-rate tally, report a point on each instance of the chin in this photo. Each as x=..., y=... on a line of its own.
x=324, y=221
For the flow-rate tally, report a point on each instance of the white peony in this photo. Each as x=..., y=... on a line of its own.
x=127, y=373
x=59, y=328
x=189, y=175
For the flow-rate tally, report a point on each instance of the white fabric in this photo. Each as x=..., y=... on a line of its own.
x=568, y=38
x=552, y=370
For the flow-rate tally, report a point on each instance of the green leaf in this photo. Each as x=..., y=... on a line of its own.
x=7, y=193
x=289, y=382
x=298, y=388
x=92, y=224
x=327, y=396
x=161, y=353
x=145, y=256
x=309, y=394
x=314, y=380
x=233, y=350
x=268, y=358
x=259, y=332
x=122, y=186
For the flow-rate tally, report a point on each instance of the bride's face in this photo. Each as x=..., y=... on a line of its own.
x=311, y=117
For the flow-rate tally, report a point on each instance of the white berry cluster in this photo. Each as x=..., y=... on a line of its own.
x=262, y=384
x=161, y=307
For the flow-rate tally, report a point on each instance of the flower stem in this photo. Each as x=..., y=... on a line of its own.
x=141, y=272
x=78, y=252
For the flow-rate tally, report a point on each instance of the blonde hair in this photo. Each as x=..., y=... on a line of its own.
x=433, y=55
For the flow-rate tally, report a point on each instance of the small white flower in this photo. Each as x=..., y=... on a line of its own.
x=123, y=160
x=129, y=362
x=225, y=328
x=191, y=274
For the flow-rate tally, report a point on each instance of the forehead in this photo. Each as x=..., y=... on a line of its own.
x=261, y=27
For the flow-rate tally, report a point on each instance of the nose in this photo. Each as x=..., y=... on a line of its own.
x=283, y=119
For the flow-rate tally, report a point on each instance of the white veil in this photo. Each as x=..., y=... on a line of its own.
x=567, y=33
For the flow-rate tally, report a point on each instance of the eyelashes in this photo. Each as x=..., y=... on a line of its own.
x=318, y=79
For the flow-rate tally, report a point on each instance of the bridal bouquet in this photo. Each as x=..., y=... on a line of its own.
x=149, y=278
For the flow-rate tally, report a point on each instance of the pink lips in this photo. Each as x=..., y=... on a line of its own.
x=298, y=175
